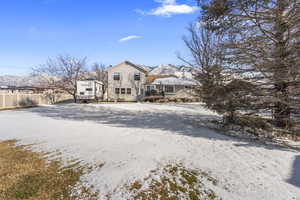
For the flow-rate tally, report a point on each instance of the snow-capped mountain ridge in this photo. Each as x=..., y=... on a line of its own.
x=179, y=71
x=165, y=69
x=13, y=80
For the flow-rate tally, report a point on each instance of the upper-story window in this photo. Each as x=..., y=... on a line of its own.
x=137, y=76
x=116, y=76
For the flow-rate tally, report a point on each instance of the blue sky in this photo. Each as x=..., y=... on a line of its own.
x=142, y=31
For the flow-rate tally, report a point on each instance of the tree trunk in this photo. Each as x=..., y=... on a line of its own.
x=75, y=98
x=281, y=107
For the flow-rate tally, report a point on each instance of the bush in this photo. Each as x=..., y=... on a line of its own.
x=27, y=102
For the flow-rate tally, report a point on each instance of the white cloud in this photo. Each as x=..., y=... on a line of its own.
x=131, y=37
x=166, y=1
x=169, y=8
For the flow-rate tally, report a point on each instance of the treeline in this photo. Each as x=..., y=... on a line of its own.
x=248, y=52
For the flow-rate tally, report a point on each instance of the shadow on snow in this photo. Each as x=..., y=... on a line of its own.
x=295, y=174
x=183, y=123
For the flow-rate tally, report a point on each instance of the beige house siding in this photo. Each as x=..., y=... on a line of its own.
x=127, y=71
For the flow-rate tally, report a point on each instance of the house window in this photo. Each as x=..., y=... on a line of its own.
x=169, y=89
x=128, y=90
x=148, y=88
x=117, y=90
x=89, y=89
x=116, y=76
x=137, y=76
x=81, y=93
x=123, y=91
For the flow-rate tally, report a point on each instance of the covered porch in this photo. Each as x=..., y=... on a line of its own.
x=171, y=89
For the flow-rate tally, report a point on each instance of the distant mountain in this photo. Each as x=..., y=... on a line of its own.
x=146, y=68
x=184, y=68
x=27, y=80
x=164, y=69
x=179, y=71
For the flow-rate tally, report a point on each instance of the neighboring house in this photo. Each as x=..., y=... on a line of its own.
x=126, y=82
x=171, y=87
x=89, y=90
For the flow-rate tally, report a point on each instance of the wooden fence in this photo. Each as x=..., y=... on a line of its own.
x=25, y=100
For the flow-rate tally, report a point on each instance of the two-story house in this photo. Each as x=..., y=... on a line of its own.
x=126, y=82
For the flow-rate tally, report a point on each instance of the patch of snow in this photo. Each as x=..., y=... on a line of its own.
x=174, y=81
x=163, y=69
x=178, y=71
x=145, y=67
x=133, y=139
x=27, y=80
x=188, y=75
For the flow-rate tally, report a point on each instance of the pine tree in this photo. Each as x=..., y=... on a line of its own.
x=261, y=39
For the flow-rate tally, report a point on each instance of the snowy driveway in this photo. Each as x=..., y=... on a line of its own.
x=133, y=139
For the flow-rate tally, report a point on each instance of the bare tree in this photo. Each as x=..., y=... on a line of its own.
x=204, y=48
x=206, y=56
x=262, y=46
x=62, y=72
x=101, y=74
x=219, y=90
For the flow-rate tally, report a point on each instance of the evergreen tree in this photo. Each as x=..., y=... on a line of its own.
x=262, y=46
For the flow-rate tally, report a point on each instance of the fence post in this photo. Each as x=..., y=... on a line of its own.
x=40, y=100
x=17, y=97
x=3, y=100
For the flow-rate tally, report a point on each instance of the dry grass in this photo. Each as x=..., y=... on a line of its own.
x=29, y=175
x=174, y=183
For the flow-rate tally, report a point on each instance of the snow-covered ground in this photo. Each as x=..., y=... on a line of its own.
x=133, y=139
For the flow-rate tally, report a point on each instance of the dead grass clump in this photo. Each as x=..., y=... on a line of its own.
x=174, y=182
x=253, y=122
x=28, y=175
x=261, y=127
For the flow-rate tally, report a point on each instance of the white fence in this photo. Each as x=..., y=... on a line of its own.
x=23, y=100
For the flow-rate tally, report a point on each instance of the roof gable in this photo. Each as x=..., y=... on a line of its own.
x=133, y=65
